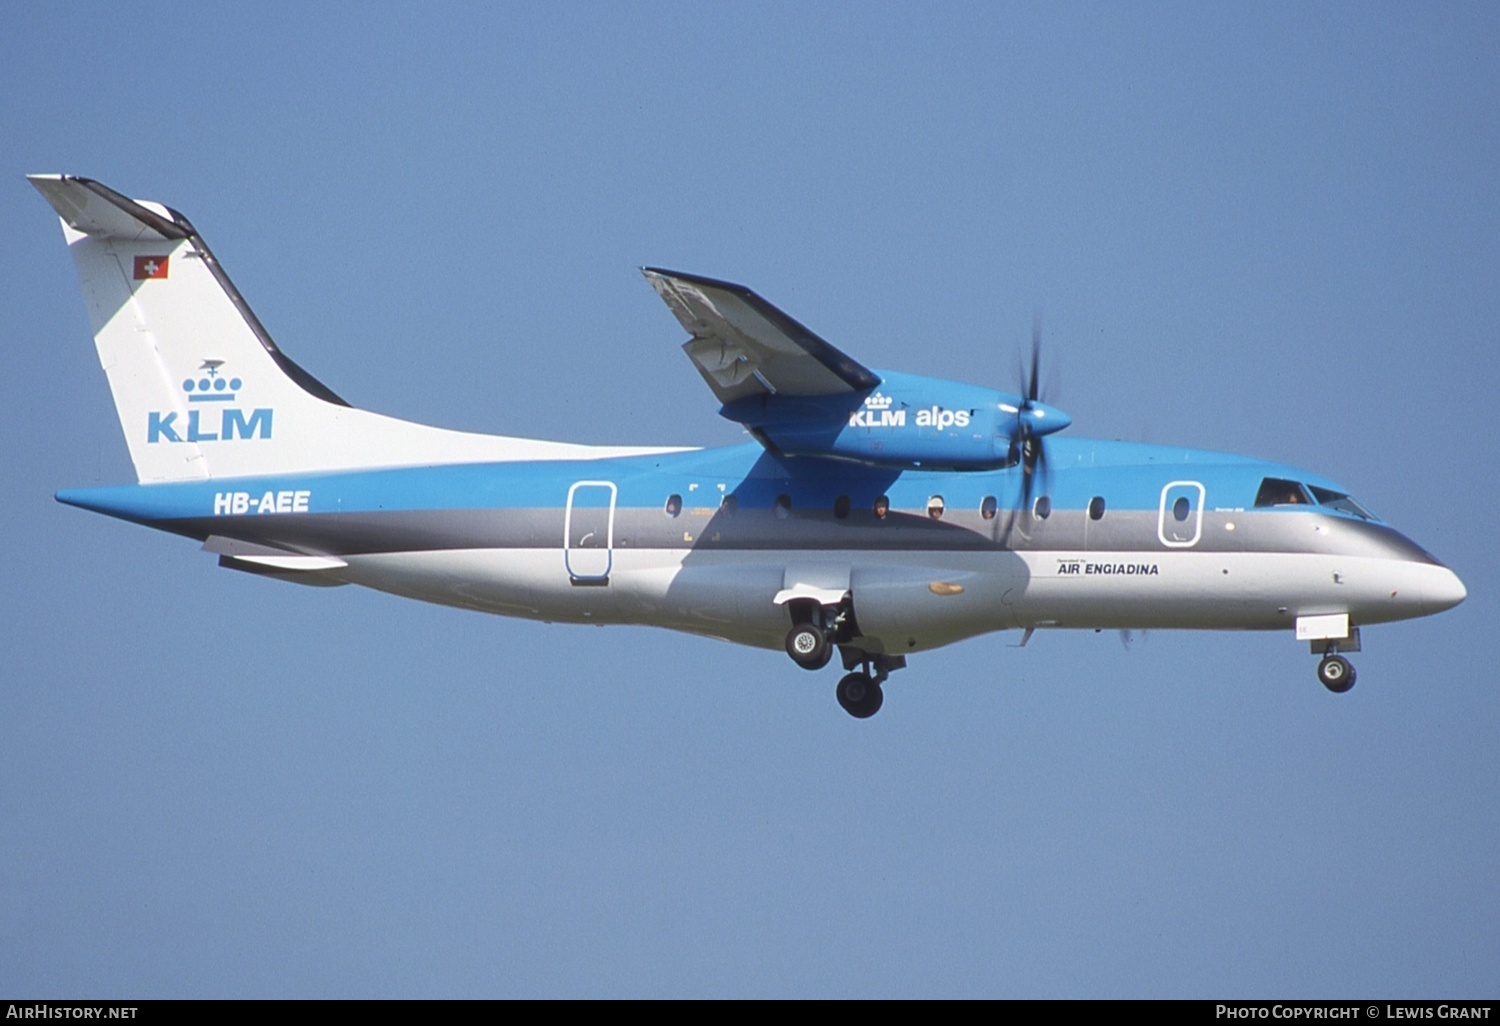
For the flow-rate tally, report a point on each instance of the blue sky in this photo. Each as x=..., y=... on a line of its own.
x=1264, y=228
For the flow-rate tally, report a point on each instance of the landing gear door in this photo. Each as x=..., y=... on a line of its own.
x=1179, y=521
x=589, y=532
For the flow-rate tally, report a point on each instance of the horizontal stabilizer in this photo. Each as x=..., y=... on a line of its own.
x=292, y=562
x=310, y=578
x=269, y=561
x=269, y=555
x=97, y=210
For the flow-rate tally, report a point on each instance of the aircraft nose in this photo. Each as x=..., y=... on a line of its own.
x=1441, y=589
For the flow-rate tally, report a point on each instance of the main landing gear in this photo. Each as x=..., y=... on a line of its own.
x=808, y=645
x=860, y=694
x=816, y=631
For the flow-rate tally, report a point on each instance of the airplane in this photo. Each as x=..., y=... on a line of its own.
x=872, y=514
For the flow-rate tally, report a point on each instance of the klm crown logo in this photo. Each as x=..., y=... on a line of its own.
x=211, y=386
x=877, y=412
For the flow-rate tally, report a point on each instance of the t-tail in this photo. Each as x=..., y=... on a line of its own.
x=201, y=389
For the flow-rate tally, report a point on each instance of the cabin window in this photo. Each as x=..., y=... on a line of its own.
x=841, y=507
x=1275, y=491
x=935, y=507
x=1042, y=508
x=989, y=507
x=1181, y=508
x=882, y=507
x=1096, y=507
x=729, y=504
x=783, y=506
x=674, y=504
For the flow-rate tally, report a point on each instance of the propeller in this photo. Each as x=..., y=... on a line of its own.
x=1034, y=420
x=1032, y=454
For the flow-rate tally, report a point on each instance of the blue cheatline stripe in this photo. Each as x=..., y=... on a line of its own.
x=1126, y=475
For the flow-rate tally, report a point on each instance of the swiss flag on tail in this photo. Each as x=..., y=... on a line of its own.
x=150, y=267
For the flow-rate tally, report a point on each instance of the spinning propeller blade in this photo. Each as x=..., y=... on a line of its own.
x=1033, y=454
x=1034, y=420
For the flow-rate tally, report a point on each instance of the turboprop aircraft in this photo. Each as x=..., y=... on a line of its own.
x=874, y=514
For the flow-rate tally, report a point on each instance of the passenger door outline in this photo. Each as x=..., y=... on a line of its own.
x=585, y=520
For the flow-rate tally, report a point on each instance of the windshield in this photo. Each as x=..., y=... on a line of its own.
x=1280, y=491
x=1276, y=491
x=1341, y=502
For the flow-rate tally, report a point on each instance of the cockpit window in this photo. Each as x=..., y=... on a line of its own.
x=1339, y=501
x=1275, y=491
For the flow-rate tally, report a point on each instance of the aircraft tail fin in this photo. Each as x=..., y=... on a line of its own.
x=200, y=388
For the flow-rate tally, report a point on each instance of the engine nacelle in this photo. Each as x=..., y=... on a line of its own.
x=906, y=421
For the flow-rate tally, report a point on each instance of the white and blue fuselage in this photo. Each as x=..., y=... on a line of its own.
x=704, y=541
x=876, y=513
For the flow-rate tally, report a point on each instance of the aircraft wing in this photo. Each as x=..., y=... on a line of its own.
x=745, y=347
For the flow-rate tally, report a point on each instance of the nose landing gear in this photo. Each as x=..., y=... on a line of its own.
x=1336, y=673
